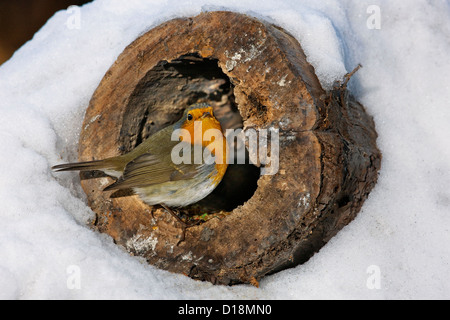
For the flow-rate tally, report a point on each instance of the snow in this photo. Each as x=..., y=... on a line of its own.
x=397, y=247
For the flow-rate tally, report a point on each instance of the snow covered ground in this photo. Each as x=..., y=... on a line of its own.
x=397, y=248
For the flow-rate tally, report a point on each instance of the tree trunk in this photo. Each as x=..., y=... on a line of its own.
x=256, y=76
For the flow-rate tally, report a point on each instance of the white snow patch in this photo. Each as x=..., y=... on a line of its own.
x=403, y=228
x=141, y=244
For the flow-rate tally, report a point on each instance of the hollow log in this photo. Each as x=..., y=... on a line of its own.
x=255, y=75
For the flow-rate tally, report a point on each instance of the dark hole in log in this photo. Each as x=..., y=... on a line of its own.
x=159, y=100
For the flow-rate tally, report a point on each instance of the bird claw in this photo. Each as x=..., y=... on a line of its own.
x=184, y=224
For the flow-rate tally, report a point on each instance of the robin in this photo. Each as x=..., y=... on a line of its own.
x=150, y=169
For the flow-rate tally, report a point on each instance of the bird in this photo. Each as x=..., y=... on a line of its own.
x=151, y=172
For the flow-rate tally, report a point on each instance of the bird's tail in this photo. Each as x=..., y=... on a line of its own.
x=107, y=165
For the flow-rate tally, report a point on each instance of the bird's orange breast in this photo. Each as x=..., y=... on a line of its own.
x=207, y=131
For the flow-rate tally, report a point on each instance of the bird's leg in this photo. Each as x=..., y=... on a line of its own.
x=184, y=225
x=174, y=215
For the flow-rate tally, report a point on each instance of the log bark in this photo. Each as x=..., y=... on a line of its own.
x=255, y=75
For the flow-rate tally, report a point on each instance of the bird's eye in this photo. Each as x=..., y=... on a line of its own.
x=189, y=116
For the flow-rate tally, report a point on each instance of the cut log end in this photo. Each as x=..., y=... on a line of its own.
x=256, y=77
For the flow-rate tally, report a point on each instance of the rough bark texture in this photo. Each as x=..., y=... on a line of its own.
x=255, y=75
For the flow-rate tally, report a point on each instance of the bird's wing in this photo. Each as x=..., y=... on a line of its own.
x=150, y=169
